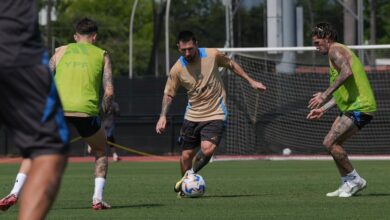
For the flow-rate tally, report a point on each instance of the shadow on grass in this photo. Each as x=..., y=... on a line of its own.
x=118, y=206
x=227, y=196
x=373, y=194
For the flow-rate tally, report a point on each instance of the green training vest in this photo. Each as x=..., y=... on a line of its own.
x=355, y=94
x=79, y=78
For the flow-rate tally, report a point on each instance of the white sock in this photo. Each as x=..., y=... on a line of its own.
x=115, y=155
x=99, y=187
x=19, y=182
x=353, y=176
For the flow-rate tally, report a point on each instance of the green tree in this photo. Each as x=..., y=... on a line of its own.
x=113, y=18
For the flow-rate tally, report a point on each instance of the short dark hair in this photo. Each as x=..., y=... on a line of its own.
x=86, y=26
x=186, y=36
x=324, y=30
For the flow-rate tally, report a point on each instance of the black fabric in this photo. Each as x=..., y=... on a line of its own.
x=86, y=126
x=358, y=118
x=20, y=40
x=31, y=109
x=192, y=133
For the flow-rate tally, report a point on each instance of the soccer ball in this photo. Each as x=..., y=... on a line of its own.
x=287, y=151
x=193, y=185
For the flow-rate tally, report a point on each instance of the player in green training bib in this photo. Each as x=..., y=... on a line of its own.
x=351, y=91
x=80, y=70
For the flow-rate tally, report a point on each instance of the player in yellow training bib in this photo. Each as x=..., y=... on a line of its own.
x=197, y=71
x=351, y=91
x=80, y=71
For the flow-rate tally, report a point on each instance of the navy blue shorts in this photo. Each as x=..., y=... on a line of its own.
x=86, y=126
x=31, y=110
x=359, y=119
x=192, y=133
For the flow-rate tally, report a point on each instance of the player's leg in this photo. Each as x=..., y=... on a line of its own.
x=204, y=155
x=211, y=134
x=12, y=197
x=342, y=129
x=41, y=186
x=351, y=182
x=189, y=140
x=98, y=144
x=32, y=104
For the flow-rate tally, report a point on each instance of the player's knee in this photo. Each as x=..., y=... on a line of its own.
x=328, y=143
x=186, y=156
x=209, y=151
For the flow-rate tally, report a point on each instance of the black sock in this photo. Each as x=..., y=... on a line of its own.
x=200, y=161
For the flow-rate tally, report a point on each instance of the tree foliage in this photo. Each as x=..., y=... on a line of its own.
x=113, y=18
x=206, y=18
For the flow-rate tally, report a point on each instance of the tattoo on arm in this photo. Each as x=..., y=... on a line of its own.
x=340, y=59
x=107, y=85
x=329, y=105
x=52, y=64
x=167, y=100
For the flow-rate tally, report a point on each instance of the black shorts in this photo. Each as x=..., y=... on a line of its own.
x=192, y=133
x=31, y=110
x=359, y=119
x=86, y=126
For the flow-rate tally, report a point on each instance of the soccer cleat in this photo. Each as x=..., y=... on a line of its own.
x=354, y=188
x=177, y=187
x=89, y=149
x=116, y=158
x=335, y=193
x=180, y=195
x=98, y=204
x=8, y=201
x=348, y=189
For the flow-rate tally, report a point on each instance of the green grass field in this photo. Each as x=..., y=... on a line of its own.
x=235, y=190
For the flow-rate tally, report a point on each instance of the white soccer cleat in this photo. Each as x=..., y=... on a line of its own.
x=335, y=193
x=348, y=189
x=354, y=188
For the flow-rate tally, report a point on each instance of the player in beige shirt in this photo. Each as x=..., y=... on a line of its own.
x=197, y=71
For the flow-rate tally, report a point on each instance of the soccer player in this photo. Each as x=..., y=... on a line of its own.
x=351, y=91
x=30, y=107
x=197, y=71
x=80, y=68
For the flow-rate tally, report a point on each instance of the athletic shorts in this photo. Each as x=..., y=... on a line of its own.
x=31, y=110
x=359, y=119
x=192, y=133
x=86, y=126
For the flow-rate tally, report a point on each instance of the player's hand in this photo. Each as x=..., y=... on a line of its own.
x=258, y=86
x=107, y=104
x=315, y=114
x=161, y=124
x=316, y=101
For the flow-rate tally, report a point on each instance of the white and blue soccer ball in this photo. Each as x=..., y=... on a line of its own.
x=193, y=185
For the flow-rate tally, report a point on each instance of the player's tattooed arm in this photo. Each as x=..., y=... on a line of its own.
x=340, y=58
x=329, y=105
x=166, y=104
x=52, y=64
x=162, y=121
x=107, y=85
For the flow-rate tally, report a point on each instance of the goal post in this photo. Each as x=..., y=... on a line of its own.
x=266, y=123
